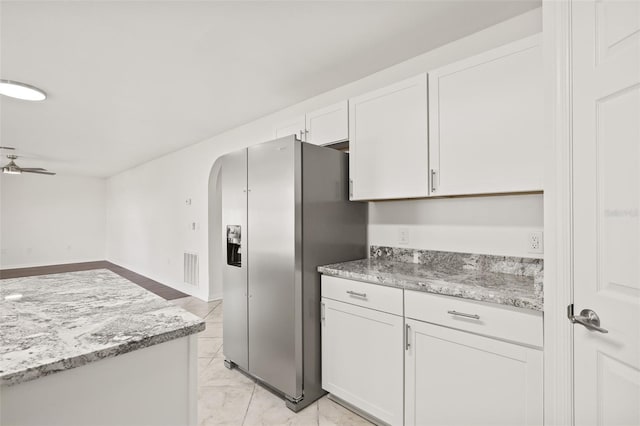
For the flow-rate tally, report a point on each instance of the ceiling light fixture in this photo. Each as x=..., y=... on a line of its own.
x=24, y=91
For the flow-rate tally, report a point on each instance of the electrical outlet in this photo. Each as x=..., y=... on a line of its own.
x=403, y=236
x=534, y=242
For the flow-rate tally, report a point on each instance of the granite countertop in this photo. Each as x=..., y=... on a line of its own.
x=486, y=286
x=68, y=320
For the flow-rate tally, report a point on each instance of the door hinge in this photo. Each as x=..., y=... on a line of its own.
x=322, y=317
x=350, y=188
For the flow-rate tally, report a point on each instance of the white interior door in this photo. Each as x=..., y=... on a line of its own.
x=606, y=173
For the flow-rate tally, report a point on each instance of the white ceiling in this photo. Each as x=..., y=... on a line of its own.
x=129, y=81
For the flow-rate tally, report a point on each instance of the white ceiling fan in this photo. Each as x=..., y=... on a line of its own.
x=13, y=169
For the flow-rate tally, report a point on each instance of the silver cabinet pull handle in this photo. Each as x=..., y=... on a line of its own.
x=354, y=293
x=407, y=332
x=462, y=314
x=433, y=180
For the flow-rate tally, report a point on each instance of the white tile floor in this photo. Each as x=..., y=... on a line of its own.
x=228, y=397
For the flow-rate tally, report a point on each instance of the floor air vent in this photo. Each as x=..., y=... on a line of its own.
x=191, y=267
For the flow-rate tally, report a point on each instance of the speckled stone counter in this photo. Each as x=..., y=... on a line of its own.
x=494, y=279
x=63, y=321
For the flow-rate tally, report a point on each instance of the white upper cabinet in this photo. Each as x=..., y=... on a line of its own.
x=486, y=122
x=388, y=142
x=295, y=126
x=328, y=125
x=320, y=127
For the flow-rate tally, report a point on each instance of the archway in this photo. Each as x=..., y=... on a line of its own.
x=215, y=231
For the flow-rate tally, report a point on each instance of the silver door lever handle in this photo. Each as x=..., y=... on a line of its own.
x=589, y=319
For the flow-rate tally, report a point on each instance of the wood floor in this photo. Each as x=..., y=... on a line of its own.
x=147, y=283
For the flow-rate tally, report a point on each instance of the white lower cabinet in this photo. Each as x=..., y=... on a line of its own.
x=362, y=358
x=435, y=361
x=457, y=378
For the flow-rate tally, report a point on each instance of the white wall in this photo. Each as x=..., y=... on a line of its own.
x=489, y=225
x=148, y=221
x=47, y=220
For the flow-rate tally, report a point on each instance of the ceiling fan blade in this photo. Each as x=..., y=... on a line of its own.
x=33, y=169
x=37, y=172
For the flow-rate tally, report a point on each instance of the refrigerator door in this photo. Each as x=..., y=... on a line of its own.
x=234, y=270
x=275, y=334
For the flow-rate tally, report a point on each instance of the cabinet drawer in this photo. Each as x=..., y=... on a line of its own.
x=373, y=296
x=504, y=322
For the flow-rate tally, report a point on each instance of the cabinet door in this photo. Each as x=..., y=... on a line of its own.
x=295, y=126
x=486, y=122
x=458, y=378
x=362, y=358
x=328, y=125
x=388, y=142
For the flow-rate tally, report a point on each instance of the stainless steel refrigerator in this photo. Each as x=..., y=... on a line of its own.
x=285, y=211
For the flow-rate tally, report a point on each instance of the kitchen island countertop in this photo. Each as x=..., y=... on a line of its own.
x=56, y=322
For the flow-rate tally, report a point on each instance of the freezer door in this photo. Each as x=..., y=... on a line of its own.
x=275, y=336
x=234, y=248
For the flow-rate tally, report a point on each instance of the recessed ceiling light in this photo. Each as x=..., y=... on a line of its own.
x=19, y=90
